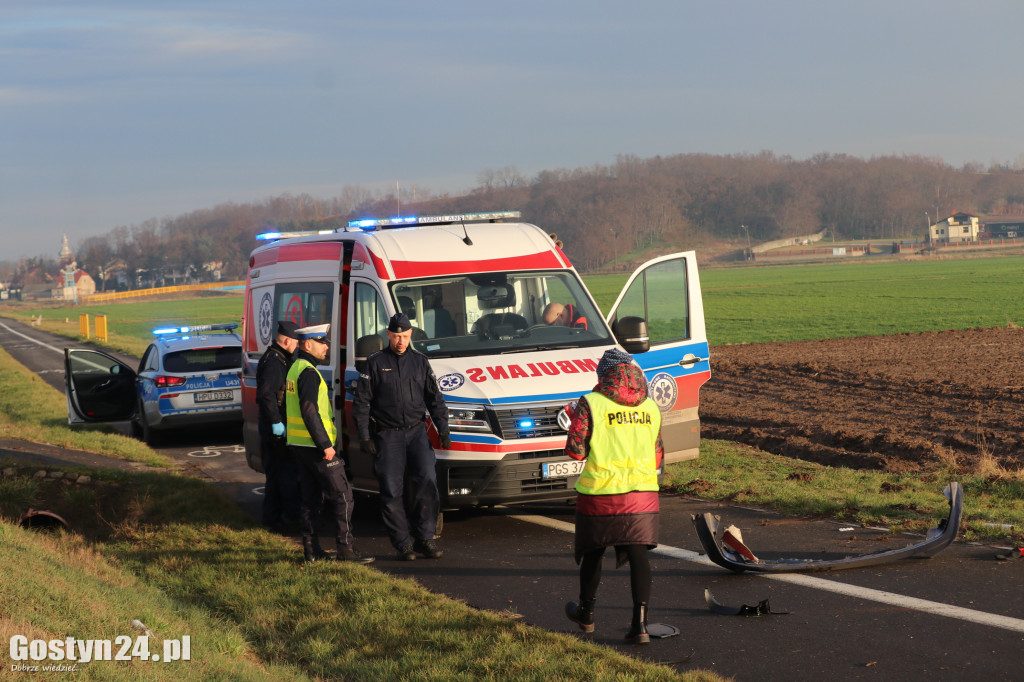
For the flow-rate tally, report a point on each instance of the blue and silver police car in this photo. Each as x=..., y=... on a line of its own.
x=187, y=376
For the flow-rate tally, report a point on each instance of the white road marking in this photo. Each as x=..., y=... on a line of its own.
x=891, y=598
x=44, y=345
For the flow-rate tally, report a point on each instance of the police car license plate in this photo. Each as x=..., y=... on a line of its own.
x=561, y=469
x=213, y=396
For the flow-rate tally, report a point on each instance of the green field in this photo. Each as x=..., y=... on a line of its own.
x=800, y=303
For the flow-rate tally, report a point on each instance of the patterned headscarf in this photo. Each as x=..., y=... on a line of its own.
x=612, y=357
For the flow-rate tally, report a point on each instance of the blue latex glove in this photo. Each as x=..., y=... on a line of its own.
x=277, y=428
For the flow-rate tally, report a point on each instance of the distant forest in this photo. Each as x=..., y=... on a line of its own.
x=611, y=214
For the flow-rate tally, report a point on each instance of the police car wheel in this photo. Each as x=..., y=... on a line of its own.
x=149, y=434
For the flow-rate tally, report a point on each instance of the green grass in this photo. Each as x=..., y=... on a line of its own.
x=801, y=303
x=179, y=556
x=130, y=324
x=37, y=412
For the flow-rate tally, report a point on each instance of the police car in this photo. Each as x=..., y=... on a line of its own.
x=187, y=376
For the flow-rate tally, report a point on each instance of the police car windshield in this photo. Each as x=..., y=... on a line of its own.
x=499, y=312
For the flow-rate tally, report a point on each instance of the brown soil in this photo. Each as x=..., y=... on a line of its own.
x=899, y=403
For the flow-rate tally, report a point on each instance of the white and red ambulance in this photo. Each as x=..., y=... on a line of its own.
x=476, y=288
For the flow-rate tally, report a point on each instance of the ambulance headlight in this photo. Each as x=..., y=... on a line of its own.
x=472, y=419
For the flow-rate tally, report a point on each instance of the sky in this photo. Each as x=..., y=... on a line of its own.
x=115, y=112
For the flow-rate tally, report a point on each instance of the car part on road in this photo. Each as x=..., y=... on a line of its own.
x=727, y=556
x=763, y=608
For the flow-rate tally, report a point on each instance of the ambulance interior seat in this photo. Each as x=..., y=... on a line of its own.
x=497, y=324
x=438, y=322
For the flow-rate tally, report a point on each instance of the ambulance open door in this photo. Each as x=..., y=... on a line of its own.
x=665, y=293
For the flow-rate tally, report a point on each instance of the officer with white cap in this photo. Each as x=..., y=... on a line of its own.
x=311, y=436
x=396, y=389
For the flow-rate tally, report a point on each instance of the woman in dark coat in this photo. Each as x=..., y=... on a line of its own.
x=617, y=430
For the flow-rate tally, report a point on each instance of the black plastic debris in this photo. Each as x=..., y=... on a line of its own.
x=763, y=608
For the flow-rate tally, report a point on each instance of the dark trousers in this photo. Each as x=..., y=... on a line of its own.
x=281, y=492
x=639, y=573
x=405, y=460
x=323, y=485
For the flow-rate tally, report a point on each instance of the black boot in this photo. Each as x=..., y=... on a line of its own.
x=582, y=614
x=311, y=549
x=638, y=629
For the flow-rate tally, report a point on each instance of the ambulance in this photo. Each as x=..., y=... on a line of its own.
x=510, y=330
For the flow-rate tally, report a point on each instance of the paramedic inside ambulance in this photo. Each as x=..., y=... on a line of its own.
x=564, y=315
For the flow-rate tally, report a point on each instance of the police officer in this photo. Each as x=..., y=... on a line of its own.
x=396, y=390
x=311, y=435
x=281, y=493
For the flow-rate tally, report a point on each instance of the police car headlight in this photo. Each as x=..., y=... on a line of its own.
x=472, y=419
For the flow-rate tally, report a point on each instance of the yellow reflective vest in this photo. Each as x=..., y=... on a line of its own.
x=295, y=427
x=622, y=447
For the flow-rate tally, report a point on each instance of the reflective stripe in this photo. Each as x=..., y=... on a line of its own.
x=295, y=426
x=622, y=447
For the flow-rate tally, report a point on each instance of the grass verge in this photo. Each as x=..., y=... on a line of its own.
x=993, y=506
x=180, y=557
x=34, y=411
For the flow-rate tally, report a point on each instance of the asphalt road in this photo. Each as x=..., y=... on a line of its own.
x=959, y=615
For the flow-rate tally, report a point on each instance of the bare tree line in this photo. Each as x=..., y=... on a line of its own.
x=610, y=213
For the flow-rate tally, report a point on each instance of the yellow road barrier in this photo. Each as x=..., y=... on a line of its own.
x=83, y=325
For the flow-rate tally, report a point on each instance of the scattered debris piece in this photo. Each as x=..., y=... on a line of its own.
x=847, y=529
x=727, y=553
x=763, y=608
x=734, y=538
x=1012, y=554
x=662, y=630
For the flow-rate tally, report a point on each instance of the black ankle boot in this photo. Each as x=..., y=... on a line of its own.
x=311, y=549
x=582, y=614
x=638, y=630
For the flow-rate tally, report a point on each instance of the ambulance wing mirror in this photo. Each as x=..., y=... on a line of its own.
x=367, y=346
x=631, y=333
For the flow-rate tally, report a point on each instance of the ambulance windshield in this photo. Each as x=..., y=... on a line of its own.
x=499, y=312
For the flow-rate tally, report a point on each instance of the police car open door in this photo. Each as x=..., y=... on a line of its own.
x=665, y=292
x=99, y=388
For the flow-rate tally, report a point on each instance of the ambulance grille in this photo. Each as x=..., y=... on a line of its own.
x=543, y=422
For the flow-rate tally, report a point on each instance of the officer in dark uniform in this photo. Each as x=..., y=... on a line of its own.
x=396, y=390
x=281, y=492
x=311, y=435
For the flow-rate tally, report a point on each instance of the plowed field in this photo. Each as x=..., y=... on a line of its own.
x=897, y=403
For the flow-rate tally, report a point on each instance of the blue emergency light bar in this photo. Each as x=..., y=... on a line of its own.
x=272, y=236
x=164, y=331
x=378, y=223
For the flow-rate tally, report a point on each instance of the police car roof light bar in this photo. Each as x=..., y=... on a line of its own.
x=225, y=326
x=370, y=224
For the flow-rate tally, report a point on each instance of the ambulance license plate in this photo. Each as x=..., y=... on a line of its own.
x=213, y=396
x=562, y=469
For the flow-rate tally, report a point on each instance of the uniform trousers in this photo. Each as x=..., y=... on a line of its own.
x=323, y=485
x=409, y=501
x=281, y=492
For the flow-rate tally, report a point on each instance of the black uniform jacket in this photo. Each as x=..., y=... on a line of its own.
x=308, y=389
x=397, y=391
x=270, y=375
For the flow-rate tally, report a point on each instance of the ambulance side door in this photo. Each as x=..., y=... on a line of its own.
x=665, y=292
x=98, y=387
